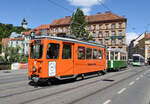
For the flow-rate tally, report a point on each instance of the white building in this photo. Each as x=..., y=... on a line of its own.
x=17, y=42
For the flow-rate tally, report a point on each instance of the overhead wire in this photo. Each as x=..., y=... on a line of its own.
x=54, y=3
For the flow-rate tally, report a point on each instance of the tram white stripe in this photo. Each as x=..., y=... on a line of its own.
x=106, y=102
x=122, y=90
x=131, y=83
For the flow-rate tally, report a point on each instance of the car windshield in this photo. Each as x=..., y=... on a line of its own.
x=135, y=59
x=36, y=51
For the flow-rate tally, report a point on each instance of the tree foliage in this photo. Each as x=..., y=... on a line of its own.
x=7, y=29
x=78, y=25
x=11, y=54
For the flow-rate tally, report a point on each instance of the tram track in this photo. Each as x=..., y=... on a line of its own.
x=23, y=92
x=69, y=89
x=59, y=92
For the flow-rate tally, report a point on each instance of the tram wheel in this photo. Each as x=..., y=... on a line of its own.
x=82, y=76
x=99, y=73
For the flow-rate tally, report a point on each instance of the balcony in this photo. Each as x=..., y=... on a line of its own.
x=114, y=37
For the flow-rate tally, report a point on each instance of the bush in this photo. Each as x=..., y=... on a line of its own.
x=23, y=59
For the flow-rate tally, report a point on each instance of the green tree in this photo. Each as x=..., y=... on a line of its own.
x=11, y=54
x=78, y=25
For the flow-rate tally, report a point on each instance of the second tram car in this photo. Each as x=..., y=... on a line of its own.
x=116, y=59
x=138, y=60
x=60, y=58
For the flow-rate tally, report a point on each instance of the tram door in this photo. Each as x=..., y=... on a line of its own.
x=67, y=59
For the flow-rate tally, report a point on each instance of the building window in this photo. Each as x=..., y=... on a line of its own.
x=94, y=27
x=100, y=26
x=89, y=27
x=101, y=41
x=16, y=42
x=106, y=41
x=113, y=41
x=113, y=26
x=97, y=27
x=94, y=35
x=113, y=33
x=100, y=34
x=107, y=26
x=63, y=29
x=120, y=41
x=56, y=30
x=120, y=33
x=106, y=33
x=120, y=25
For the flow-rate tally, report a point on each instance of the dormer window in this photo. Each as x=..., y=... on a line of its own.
x=113, y=26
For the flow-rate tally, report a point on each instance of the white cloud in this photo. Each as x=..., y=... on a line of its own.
x=85, y=4
x=131, y=36
x=86, y=10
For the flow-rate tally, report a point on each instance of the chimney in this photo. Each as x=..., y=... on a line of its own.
x=107, y=12
x=98, y=12
x=68, y=16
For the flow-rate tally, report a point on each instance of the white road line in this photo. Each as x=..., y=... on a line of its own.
x=137, y=78
x=121, y=91
x=131, y=83
x=106, y=102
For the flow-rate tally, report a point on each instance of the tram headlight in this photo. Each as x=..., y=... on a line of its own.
x=34, y=69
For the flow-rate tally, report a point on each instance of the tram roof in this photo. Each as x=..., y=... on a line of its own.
x=68, y=40
x=116, y=50
x=138, y=55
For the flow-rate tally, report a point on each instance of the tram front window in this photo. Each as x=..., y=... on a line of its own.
x=135, y=59
x=36, y=51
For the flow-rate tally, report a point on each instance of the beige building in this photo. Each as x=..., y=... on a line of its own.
x=107, y=29
x=141, y=45
x=144, y=47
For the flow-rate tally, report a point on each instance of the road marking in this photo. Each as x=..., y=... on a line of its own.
x=137, y=78
x=131, y=83
x=106, y=102
x=122, y=90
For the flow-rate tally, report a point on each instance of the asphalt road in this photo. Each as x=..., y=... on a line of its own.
x=130, y=86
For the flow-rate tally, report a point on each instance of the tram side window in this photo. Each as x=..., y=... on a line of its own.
x=116, y=55
x=107, y=56
x=88, y=53
x=112, y=55
x=100, y=54
x=81, y=53
x=53, y=51
x=66, y=51
x=95, y=54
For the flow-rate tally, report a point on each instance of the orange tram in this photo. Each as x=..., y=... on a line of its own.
x=57, y=58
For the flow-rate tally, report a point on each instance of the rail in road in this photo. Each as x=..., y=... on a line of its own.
x=73, y=87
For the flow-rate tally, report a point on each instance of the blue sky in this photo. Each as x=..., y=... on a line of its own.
x=39, y=12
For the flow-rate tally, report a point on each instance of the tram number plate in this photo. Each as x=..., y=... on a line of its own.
x=51, y=68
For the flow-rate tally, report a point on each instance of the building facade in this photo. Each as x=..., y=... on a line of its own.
x=107, y=29
x=140, y=45
x=40, y=30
